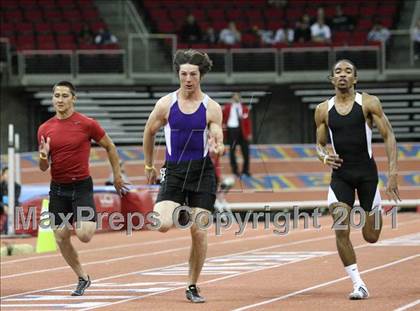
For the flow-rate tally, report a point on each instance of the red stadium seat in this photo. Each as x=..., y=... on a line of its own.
x=46, y=45
x=42, y=28
x=13, y=16
x=34, y=16
x=25, y=28
x=365, y=24
x=63, y=27
x=25, y=42
x=53, y=16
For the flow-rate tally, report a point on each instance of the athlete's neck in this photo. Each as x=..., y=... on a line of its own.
x=65, y=114
x=345, y=96
x=195, y=95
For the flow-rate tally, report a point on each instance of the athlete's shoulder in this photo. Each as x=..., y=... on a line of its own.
x=370, y=99
x=164, y=100
x=371, y=102
x=322, y=107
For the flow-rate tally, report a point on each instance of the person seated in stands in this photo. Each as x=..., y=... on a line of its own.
x=415, y=35
x=284, y=35
x=210, y=36
x=378, y=33
x=341, y=22
x=104, y=36
x=190, y=31
x=85, y=35
x=320, y=32
x=302, y=32
x=261, y=36
x=230, y=35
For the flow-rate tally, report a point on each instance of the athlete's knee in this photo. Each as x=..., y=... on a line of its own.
x=62, y=240
x=370, y=237
x=342, y=234
x=84, y=237
x=164, y=226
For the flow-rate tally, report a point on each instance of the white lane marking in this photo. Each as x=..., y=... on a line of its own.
x=405, y=240
x=324, y=284
x=408, y=306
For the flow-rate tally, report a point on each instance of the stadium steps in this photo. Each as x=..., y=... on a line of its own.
x=400, y=102
x=124, y=114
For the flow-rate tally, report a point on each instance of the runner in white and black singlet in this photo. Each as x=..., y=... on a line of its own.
x=348, y=118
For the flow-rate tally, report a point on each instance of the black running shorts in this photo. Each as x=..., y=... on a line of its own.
x=70, y=198
x=191, y=183
x=351, y=177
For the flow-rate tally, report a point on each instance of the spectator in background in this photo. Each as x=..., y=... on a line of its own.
x=302, y=31
x=320, y=32
x=230, y=35
x=378, y=33
x=341, y=22
x=104, y=36
x=4, y=203
x=190, y=31
x=237, y=122
x=85, y=35
x=284, y=35
x=210, y=36
x=415, y=35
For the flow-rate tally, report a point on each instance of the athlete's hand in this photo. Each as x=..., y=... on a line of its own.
x=150, y=174
x=333, y=160
x=44, y=147
x=215, y=147
x=392, y=188
x=121, y=186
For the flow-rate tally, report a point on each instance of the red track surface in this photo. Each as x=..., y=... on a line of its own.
x=115, y=260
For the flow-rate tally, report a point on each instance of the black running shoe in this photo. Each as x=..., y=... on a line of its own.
x=81, y=286
x=193, y=295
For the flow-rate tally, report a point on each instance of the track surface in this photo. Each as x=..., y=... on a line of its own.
x=258, y=270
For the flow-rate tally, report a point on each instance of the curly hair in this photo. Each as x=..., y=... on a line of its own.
x=193, y=57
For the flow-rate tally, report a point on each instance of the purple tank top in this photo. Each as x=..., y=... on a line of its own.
x=186, y=134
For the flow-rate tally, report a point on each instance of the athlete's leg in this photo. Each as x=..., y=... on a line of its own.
x=201, y=218
x=85, y=230
x=370, y=201
x=62, y=236
x=165, y=210
x=341, y=216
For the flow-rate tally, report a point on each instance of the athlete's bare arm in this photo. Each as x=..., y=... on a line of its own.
x=385, y=129
x=157, y=119
x=330, y=159
x=214, y=119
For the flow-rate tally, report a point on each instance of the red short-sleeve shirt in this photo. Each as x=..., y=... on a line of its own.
x=70, y=141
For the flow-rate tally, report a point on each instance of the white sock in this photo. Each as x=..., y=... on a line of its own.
x=354, y=274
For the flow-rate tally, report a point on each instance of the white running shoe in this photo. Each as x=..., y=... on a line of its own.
x=359, y=292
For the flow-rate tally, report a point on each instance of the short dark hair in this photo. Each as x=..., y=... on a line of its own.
x=4, y=169
x=66, y=84
x=343, y=60
x=193, y=57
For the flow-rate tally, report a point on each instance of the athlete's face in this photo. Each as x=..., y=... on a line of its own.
x=63, y=99
x=343, y=76
x=189, y=77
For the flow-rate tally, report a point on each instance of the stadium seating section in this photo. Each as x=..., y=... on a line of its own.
x=167, y=16
x=49, y=24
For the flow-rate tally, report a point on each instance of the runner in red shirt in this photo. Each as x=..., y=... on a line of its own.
x=64, y=145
